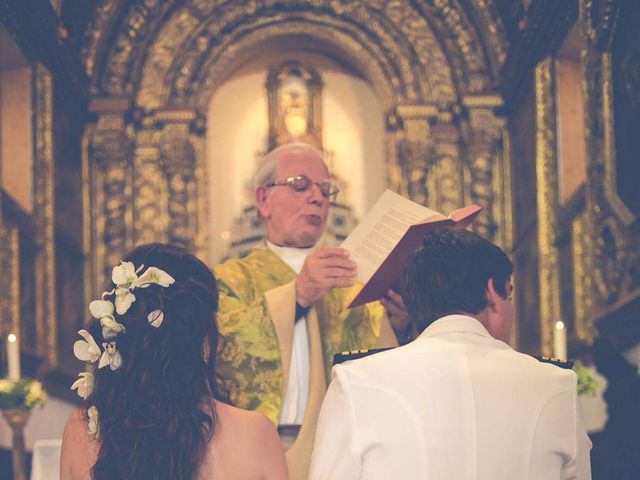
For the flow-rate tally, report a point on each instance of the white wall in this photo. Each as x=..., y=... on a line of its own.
x=353, y=129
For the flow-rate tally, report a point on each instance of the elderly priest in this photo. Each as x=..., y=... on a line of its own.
x=282, y=308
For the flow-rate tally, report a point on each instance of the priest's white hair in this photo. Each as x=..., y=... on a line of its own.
x=266, y=171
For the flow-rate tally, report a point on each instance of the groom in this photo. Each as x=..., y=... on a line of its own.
x=457, y=402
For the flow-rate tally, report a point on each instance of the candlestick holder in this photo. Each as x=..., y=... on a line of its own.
x=17, y=418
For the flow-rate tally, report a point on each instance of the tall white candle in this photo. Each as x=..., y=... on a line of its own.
x=560, y=341
x=13, y=357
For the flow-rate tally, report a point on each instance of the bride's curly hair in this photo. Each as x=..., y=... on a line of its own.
x=156, y=416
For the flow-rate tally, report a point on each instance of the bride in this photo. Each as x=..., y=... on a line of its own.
x=152, y=405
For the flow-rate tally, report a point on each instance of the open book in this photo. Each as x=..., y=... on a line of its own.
x=386, y=236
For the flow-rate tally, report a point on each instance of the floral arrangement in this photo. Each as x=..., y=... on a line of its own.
x=126, y=280
x=24, y=393
x=586, y=382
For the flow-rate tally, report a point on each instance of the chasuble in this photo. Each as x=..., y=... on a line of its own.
x=256, y=317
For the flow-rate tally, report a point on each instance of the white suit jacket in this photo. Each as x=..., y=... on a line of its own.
x=454, y=404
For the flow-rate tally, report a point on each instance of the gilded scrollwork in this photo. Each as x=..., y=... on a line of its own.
x=413, y=152
x=116, y=80
x=412, y=157
x=600, y=18
x=483, y=159
x=491, y=24
x=547, y=200
x=582, y=282
x=98, y=28
x=149, y=187
x=381, y=74
x=43, y=213
x=501, y=188
x=174, y=54
x=10, y=280
x=400, y=34
x=160, y=57
x=111, y=150
x=465, y=57
x=611, y=254
x=615, y=252
x=179, y=162
x=446, y=176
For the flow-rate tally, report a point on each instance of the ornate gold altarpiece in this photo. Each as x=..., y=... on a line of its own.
x=153, y=66
x=444, y=141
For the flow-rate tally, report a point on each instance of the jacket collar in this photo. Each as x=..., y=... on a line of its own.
x=455, y=324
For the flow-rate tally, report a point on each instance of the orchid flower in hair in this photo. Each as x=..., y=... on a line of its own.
x=84, y=385
x=94, y=427
x=124, y=299
x=103, y=310
x=155, y=318
x=153, y=275
x=125, y=274
x=125, y=277
x=86, y=350
x=111, y=356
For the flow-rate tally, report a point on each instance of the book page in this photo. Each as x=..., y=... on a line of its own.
x=381, y=229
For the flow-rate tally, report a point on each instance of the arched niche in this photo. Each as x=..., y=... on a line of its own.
x=237, y=133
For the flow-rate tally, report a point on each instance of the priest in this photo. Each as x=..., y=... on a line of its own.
x=282, y=308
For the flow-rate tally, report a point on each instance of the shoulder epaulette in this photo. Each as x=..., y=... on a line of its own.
x=355, y=354
x=568, y=364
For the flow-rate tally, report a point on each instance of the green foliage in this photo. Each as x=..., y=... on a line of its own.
x=23, y=393
x=586, y=382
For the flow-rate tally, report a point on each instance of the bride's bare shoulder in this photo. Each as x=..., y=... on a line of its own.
x=79, y=449
x=237, y=417
x=248, y=445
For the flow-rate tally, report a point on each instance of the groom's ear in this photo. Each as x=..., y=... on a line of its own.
x=491, y=295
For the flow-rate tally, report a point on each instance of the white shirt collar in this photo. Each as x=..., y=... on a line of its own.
x=294, y=257
x=455, y=323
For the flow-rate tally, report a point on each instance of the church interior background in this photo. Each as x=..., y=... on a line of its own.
x=125, y=122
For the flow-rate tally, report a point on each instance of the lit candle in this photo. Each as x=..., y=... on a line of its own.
x=560, y=341
x=13, y=357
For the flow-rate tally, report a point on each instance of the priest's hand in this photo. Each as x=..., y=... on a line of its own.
x=398, y=316
x=323, y=270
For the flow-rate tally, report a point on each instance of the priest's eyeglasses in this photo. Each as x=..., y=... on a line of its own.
x=302, y=183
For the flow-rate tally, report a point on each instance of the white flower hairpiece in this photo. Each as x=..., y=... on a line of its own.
x=93, y=427
x=111, y=356
x=125, y=277
x=86, y=350
x=84, y=385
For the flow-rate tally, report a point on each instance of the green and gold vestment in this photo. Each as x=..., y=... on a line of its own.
x=256, y=318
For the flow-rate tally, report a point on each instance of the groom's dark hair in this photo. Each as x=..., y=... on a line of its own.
x=449, y=273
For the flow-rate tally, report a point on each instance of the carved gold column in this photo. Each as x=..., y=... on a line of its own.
x=447, y=177
x=111, y=151
x=392, y=137
x=178, y=158
x=610, y=226
x=413, y=151
x=547, y=200
x=9, y=280
x=582, y=278
x=43, y=215
x=149, y=186
x=485, y=170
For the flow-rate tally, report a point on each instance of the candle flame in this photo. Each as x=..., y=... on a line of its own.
x=559, y=325
x=12, y=337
